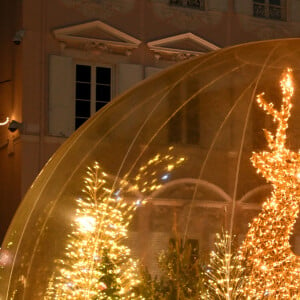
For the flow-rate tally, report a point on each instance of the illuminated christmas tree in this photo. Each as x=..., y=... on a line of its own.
x=97, y=263
x=274, y=268
x=101, y=223
x=224, y=275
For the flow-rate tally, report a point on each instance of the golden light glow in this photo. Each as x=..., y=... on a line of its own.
x=86, y=224
x=5, y=122
x=274, y=268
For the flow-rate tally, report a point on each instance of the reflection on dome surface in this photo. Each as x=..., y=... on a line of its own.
x=181, y=141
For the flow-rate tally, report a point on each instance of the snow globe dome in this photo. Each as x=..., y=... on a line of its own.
x=176, y=148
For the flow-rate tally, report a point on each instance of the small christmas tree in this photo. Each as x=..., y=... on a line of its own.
x=224, y=275
x=97, y=265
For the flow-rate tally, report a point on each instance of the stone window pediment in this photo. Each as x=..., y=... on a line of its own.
x=181, y=46
x=98, y=35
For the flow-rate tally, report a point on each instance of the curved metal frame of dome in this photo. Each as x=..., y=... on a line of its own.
x=62, y=156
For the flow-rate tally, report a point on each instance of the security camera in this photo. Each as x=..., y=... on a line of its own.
x=18, y=37
x=14, y=125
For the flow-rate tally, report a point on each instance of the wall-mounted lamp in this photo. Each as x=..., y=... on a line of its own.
x=18, y=37
x=14, y=125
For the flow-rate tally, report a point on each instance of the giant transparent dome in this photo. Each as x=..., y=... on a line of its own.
x=201, y=112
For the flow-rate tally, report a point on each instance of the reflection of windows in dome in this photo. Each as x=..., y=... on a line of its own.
x=184, y=126
x=92, y=91
x=199, y=4
x=271, y=9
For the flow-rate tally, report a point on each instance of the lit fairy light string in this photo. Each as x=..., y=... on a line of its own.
x=274, y=268
x=224, y=276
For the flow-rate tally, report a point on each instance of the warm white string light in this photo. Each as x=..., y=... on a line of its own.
x=274, y=268
x=5, y=122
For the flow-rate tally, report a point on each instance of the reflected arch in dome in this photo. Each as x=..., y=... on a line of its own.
x=198, y=185
x=255, y=197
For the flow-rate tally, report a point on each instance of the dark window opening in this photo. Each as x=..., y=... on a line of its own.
x=92, y=91
x=197, y=4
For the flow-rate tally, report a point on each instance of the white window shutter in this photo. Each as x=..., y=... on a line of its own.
x=128, y=75
x=61, y=96
x=149, y=71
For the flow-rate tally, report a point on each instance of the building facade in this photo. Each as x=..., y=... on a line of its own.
x=62, y=60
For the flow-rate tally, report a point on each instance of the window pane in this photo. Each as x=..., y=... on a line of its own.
x=100, y=104
x=195, y=4
x=83, y=108
x=79, y=122
x=83, y=73
x=83, y=91
x=103, y=93
x=103, y=75
x=275, y=12
x=274, y=2
x=259, y=10
x=199, y=4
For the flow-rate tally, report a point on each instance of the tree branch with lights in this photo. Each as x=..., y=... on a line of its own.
x=224, y=276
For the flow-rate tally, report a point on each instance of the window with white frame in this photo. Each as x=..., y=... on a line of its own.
x=271, y=9
x=92, y=90
x=78, y=89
